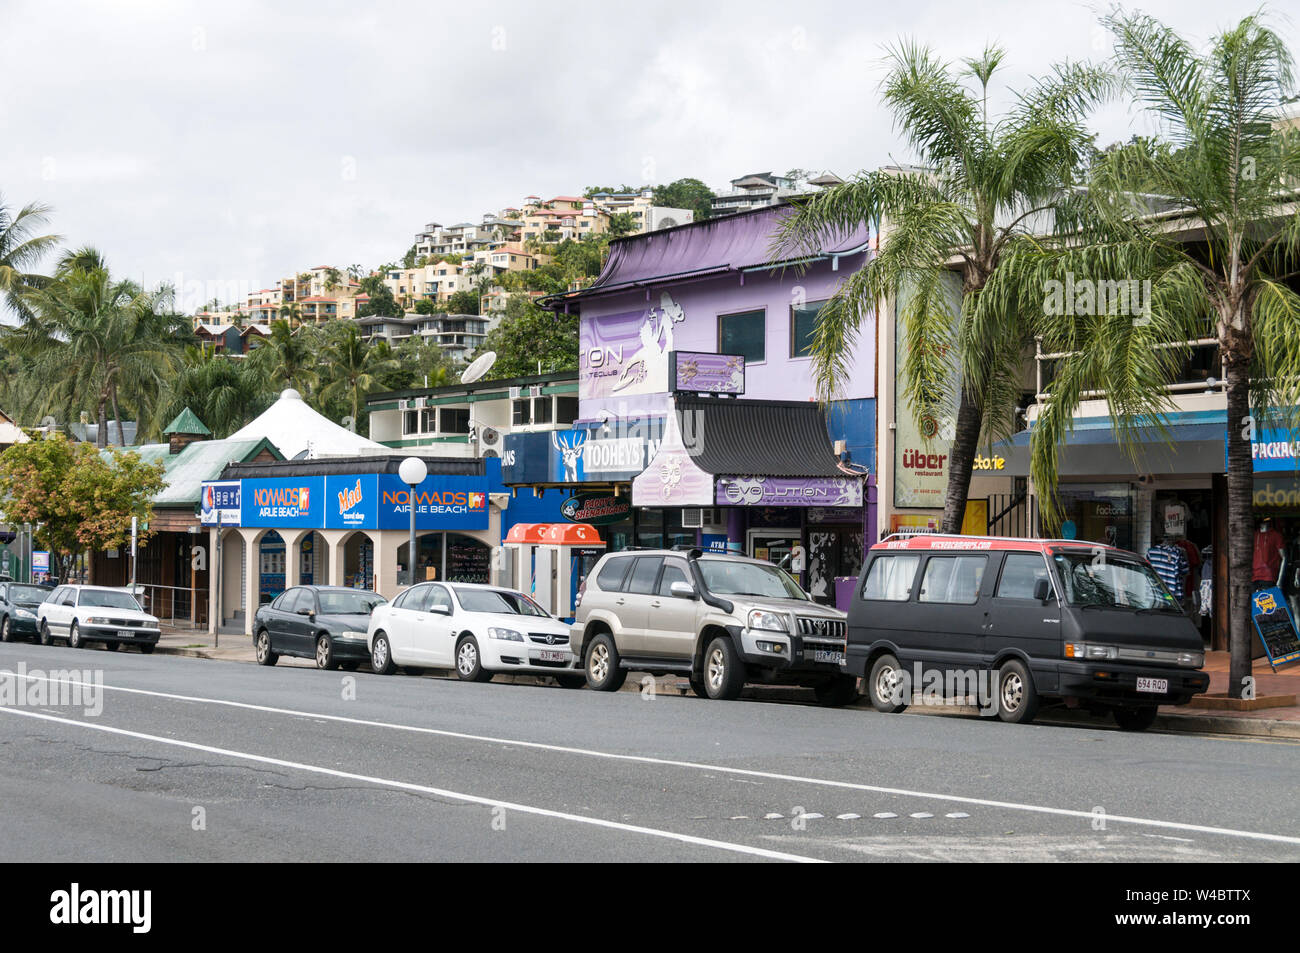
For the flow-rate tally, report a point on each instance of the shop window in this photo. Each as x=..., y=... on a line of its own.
x=427, y=419
x=542, y=410
x=803, y=325
x=411, y=422
x=744, y=333
x=521, y=412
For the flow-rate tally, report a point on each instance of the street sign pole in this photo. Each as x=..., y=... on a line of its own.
x=135, y=536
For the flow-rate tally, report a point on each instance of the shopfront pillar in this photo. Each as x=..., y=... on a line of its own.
x=386, y=544
x=252, y=575
x=293, y=556
x=736, y=529
x=334, y=562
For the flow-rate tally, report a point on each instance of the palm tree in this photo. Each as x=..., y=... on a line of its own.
x=20, y=248
x=93, y=339
x=985, y=183
x=1229, y=180
x=287, y=356
x=225, y=392
x=352, y=367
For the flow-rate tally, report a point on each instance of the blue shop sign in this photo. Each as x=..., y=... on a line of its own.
x=297, y=502
x=615, y=452
x=441, y=502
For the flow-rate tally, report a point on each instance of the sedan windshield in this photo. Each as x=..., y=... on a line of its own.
x=28, y=594
x=1110, y=582
x=732, y=578
x=341, y=602
x=498, y=600
x=108, y=599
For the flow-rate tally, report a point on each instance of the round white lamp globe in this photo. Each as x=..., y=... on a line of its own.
x=412, y=470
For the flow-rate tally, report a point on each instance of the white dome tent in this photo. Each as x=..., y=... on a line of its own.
x=299, y=432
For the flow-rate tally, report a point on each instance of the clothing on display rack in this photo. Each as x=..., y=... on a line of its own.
x=1171, y=565
x=1267, y=561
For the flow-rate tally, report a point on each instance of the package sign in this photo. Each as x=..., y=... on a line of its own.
x=441, y=502
x=220, y=503
x=1276, y=628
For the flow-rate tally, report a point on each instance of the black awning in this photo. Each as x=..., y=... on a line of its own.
x=776, y=438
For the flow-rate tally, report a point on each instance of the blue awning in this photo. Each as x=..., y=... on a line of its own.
x=1191, y=443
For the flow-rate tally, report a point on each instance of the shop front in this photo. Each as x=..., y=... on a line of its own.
x=345, y=523
x=1276, y=511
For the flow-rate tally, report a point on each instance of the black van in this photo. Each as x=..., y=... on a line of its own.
x=1015, y=622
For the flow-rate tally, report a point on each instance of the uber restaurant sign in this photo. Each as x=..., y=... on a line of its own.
x=361, y=501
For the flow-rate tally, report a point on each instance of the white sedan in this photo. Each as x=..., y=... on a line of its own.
x=475, y=629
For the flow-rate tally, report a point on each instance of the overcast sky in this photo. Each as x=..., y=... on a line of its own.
x=232, y=143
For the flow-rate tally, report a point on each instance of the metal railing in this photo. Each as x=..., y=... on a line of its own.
x=172, y=604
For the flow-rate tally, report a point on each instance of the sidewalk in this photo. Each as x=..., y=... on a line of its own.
x=1279, y=722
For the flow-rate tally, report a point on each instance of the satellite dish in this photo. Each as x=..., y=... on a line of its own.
x=478, y=367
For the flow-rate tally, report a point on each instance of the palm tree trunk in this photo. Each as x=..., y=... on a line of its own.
x=1241, y=487
x=101, y=438
x=117, y=413
x=961, y=461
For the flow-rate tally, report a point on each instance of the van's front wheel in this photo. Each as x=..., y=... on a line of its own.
x=1017, y=697
x=886, y=685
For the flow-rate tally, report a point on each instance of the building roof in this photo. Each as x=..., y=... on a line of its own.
x=184, y=472
x=296, y=429
x=502, y=383
x=717, y=245
x=778, y=438
x=438, y=466
x=187, y=422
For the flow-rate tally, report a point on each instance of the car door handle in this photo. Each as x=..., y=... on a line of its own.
x=655, y=604
x=619, y=602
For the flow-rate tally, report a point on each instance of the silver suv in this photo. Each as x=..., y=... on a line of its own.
x=720, y=619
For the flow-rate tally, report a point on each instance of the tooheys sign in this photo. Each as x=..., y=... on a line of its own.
x=596, y=508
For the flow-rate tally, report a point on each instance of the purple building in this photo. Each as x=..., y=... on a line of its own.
x=695, y=363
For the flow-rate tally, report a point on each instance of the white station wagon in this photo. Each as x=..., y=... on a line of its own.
x=84, y=614
x=475, y=629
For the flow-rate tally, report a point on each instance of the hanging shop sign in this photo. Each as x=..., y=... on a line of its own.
x=597, y=509
x=220, y=503
x=698, y=372
x=789, y=491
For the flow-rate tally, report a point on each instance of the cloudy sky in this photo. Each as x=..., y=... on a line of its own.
x=223, y=145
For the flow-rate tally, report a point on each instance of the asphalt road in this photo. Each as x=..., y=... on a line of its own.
x=187, y=759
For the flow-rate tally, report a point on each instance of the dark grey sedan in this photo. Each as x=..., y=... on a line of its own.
x=327, y=623
x=18, y=604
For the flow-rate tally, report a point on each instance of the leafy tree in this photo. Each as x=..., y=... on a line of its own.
x=1227, y=178
x=408, y=260
x=381, y=303
x=351, y=369
x=686, y=193
x=591, y=190
x=421, y=364
x=333, y=279
x=20, y=248
x=424, y=306
x=77, y=498
x=287, y=358
x=93, y=339
x=984, y=184
x=528, y=336
x=621, y=223
x=462, y=302
x=225, y=392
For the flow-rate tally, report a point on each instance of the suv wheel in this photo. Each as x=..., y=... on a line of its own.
x=262, y=643
x=839, y=691
x=1135, y=719
x=381, y=656
x=886, y=685
x=1017, y=698
x=724, y=673
x=697, y=686
x=469, y=661
x=603, y=671
x=572, y=681
x=75, y=641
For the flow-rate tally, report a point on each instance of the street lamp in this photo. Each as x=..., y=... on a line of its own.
x=412, y=472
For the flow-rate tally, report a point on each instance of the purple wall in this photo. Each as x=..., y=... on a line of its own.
x=701, y=301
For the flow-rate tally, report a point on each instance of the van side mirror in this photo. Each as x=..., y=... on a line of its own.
x=1043, y=590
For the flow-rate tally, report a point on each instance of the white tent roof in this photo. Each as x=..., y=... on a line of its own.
x=294, y=428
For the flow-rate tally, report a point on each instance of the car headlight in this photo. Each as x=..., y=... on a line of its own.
x=1192, y=659
x=96, y=620
x=24, y=614
x=352, y=634
x=508, y=635
x=1090, y=650
x=769, y=621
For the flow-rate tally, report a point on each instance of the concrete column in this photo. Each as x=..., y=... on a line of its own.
x=292, y=556
x=252, y=575
x=333, y=540
x=386, y=543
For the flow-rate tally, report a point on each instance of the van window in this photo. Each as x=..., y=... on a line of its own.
x=953, y=579
x=890, y=578
x=610, y=577
x=1020, y=573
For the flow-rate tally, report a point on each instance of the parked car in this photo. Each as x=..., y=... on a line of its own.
x=85, y=614
x=19, y=603
x=327, y=623
x=1077, y=623
x=718, y=618
x=476, y=629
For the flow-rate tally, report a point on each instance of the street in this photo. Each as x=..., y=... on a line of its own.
x=196, y=760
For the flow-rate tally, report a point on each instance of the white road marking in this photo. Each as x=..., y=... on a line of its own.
x=884, y=815
x=921, y=814
x=957, y=814
x=697, y=766
x=847, y=817
x=424, y=789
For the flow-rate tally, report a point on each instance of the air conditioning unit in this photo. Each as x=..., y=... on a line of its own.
x=421, y=403
x=698, y=518
x=403, y=404
x=514, y=393
x=490, y=437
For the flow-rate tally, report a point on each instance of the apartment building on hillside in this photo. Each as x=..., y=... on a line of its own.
x=640, y=205
x=760, y=189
